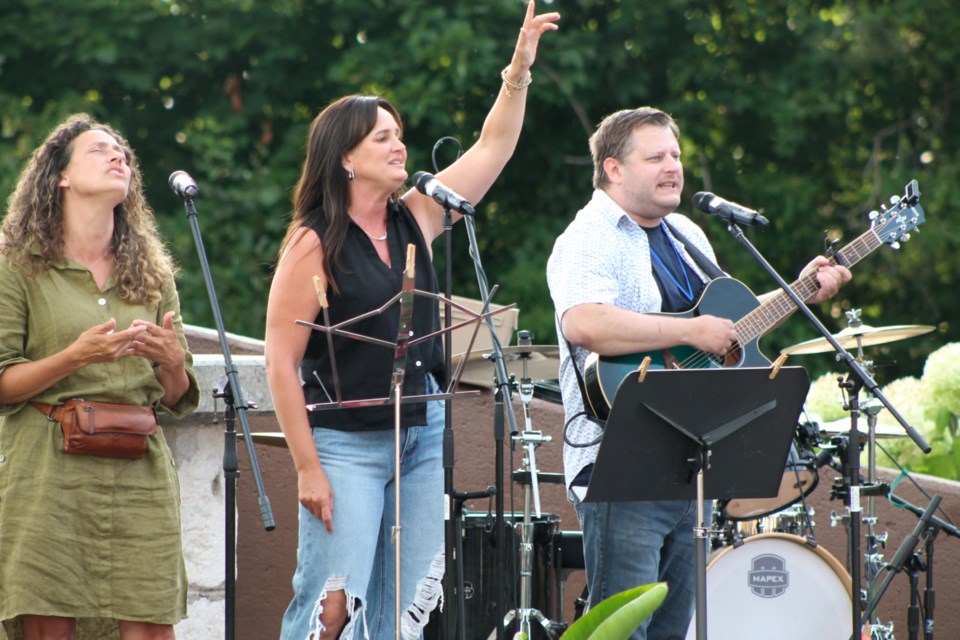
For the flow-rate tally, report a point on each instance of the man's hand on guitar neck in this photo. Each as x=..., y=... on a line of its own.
x=830, y=277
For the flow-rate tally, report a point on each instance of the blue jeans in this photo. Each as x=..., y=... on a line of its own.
x=628, y=544
x=358, y=556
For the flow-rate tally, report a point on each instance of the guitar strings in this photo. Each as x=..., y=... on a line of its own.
x=701, y=359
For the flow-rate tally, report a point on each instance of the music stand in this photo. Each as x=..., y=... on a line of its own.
x=681, y=434
x=405, y=299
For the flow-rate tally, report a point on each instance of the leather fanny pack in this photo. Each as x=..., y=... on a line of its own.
x=102, y=429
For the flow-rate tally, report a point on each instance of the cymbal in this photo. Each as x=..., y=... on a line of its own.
x=881, y=431
x=865, y=335
x=271, y=438
x=543, y=363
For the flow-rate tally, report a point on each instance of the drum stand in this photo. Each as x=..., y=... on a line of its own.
x=530, y=440
x=873, y=556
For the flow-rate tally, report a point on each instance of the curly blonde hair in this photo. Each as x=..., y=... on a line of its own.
x=31, y=236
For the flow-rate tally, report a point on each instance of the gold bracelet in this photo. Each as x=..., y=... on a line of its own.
x=516, y=86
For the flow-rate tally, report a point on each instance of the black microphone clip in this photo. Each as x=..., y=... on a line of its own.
x=428, y=185
x=730, y=212
x=183, y=185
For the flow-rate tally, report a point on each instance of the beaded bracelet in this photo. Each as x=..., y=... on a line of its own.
x=516, y=86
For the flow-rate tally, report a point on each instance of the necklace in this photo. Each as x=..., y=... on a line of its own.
x=88, y=266
x=381, y=238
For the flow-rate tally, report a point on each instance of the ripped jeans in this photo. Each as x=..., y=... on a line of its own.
x=358, y=556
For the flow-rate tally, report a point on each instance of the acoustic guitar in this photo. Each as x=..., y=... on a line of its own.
x=729, y=298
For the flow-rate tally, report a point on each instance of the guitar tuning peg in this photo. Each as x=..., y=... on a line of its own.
x=905, y=237
x=873, y=215
x=894, y=199
x=894, y=245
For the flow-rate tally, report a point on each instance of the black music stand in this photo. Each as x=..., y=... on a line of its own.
x=664, y=424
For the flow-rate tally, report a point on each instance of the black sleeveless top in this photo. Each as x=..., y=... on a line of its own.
x=364, y=369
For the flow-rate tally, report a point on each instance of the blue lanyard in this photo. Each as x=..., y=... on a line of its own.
x=686, y=291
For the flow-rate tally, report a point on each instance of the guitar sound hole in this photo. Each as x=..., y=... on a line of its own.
x=731, y=357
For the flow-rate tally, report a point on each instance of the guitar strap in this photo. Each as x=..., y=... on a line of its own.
x=708, y=267
x=582, y=388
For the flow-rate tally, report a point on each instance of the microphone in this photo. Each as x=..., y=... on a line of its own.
x=428, y=185
x=183, y=185
x=726, y=210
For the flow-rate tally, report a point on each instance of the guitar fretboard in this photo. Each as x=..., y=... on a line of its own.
x=779, y=306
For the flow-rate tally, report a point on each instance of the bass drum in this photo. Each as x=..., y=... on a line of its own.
x=774, y=585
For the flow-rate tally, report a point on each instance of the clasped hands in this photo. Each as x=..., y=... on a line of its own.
x=145, y=339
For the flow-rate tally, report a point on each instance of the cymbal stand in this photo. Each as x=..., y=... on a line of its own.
x=530, y=440
x=874, y=542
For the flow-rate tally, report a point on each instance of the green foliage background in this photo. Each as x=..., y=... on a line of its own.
x=815, y=111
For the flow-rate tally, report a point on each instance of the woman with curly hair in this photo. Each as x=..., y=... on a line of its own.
x=88, y=309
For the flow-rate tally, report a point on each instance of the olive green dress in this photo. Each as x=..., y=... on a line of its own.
x=85, y=537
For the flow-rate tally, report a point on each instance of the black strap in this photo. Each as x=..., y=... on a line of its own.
x=582, y=388
x=708, y=267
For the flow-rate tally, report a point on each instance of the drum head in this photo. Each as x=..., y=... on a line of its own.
x=775, y=586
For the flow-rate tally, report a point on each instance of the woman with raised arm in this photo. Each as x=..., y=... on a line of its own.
x=351, y=227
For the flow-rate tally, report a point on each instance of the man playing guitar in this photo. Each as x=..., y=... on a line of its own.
x=623, y=261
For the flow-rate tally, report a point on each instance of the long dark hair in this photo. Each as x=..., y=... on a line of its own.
x=34, y=220
x=322, y=194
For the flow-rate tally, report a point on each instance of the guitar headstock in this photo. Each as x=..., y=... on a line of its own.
x=893, y=223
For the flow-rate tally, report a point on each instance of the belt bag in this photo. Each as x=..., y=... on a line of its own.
x=102, y=429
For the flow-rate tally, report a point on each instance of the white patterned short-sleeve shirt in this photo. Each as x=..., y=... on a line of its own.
x=604, y=257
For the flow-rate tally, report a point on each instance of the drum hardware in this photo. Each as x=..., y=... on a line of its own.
x=530, y=440
x=568, y=557
x=481, y=556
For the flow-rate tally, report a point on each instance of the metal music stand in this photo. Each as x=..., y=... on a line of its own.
x=405, y=339
x=681, y=434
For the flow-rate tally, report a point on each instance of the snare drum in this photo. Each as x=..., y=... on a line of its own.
x=793, y=520
x=800, y=478
x=774, y=585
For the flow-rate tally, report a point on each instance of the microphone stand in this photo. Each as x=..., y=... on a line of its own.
x=233, y=398
x=936, y=525
x=897, y=564
x=502, y=406
x=855, y=381
x=454, y=627
x=453, y=593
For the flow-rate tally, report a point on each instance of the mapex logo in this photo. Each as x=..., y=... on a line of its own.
x=768, y=578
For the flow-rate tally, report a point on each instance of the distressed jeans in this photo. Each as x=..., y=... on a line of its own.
x=358, y=556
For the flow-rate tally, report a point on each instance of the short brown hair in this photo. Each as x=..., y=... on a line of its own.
x=612, y=137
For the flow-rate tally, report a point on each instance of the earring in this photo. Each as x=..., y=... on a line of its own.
x=350, y=175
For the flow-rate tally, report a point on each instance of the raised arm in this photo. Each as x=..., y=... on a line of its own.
x=473, y=174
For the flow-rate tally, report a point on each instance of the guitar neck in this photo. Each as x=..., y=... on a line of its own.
x=780, y=305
